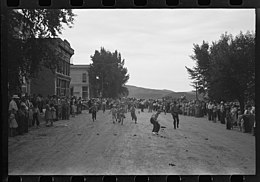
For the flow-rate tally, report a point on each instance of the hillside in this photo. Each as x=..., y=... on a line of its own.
x=146, y=93
x=188, y=95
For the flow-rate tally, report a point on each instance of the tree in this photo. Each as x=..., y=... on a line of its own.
x=27, y=48
x=108, y=74
x=228, y=68
x=201, y=73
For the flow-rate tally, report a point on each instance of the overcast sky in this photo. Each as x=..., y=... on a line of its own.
x=156, y=44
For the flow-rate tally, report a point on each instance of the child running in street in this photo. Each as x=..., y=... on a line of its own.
x=133, y=115
x=94, y=110
x=154, y=121
x=114, y=113
x=121, y=114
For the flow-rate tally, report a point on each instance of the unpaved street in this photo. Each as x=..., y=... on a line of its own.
x=80, y=146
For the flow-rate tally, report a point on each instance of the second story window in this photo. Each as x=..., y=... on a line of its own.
x=84, y=77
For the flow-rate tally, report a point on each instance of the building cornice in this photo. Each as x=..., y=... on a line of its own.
x=80, y=66
x=63, y=76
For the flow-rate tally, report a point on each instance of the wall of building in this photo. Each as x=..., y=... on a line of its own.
x=44, y=84
x=77, y=84
x=57, y=82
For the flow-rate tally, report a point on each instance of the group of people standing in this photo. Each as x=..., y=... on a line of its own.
x=231, y=114
x=27, y=111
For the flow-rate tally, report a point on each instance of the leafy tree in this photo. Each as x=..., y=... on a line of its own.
x=228, y=68
x=200, y=74
x=28, y=48
x=108, y=74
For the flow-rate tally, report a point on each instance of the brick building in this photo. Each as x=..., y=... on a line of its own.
x=80, y=81
x=57, y=82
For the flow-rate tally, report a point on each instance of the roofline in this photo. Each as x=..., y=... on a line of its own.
x=79, y=65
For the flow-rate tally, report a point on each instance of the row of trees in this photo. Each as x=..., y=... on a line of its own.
x=225, y=69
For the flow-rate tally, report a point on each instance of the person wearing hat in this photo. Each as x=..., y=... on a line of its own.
x=13, y=104
x=13, y=108
x=175, y=114
x=154, y=121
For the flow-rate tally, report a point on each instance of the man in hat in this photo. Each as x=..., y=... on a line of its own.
x=154, y=121
x=175, y=114
x=13, y=104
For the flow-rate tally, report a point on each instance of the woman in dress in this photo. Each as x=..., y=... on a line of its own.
x=12, y=123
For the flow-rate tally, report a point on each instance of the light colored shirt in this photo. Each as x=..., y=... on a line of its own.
x=210, y=106
x=13, y=105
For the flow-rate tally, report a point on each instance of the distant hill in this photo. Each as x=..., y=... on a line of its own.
x=188, y=95
x=146, y=93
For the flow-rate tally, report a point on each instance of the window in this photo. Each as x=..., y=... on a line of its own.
x=84, y=77
x=59, y=67
x=58, y=87
x=63, y=70
x=84, y=92
x=62, y=90
x=67, y=69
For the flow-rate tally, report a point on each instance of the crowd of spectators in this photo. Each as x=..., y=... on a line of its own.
x=28, y=111
x=232, y=115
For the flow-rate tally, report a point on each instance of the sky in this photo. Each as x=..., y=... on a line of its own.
x=155, y=43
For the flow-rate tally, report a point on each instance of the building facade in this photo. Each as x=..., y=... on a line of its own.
x=54, y=82
x=80, y=81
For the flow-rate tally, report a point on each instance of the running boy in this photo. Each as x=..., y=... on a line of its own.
x=133, y=115
x=154, y=121
x=94, y=110
x=114, y=113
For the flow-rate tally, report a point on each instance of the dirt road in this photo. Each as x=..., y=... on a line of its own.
x=80, y=146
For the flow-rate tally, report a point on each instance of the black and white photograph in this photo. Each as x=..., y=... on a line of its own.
x=131, y=91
